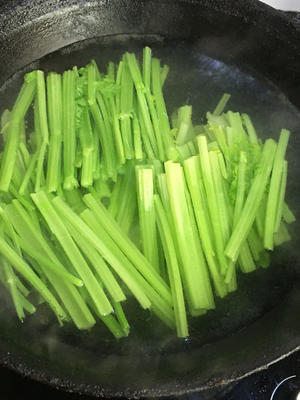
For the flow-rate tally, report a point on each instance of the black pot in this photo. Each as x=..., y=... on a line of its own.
x=239, y=46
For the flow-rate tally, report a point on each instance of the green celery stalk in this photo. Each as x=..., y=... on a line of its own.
x=105, y=246
x=173, y=268
x=28, y=229
x=126, y=105
x=116, y=196
x=43, y=121
x=145, y=193
x=235, y=121
x=250, y=129
x=194, y=180
x=150, y=100
x=184, y=122
x=58, y=228
x=281, y=197
x=241, y=187
x=40, y=258
x=287, y=214
x=116, y=130
x=126, y=245
x=87, y=144
x=118, y=83
x=253, y=201
x=194, y=275
x=137, y=139
x=54, y=96
x=18, y=113
x=140, y=88
x=210, y=190
x=29, y=173
x=121, y=317
x=145, y=139
x=69, y=135
x=282, y=235
x=24, y=269
x=221, y=104
x=274, y=190
x=11, y=281
x=163, y=74
x=169, y=146
x=97, y=262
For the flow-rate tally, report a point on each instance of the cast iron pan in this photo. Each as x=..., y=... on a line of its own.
x=237, y=46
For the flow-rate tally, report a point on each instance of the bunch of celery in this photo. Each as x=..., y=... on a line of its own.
x=103, y=161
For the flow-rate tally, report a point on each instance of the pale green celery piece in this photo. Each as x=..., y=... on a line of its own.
x=169, y=145
x=54, y=97
x=5, y=119
x=241, y=187
x=18, y=173
x=210, y=135
x=23, y=151
x=173, y=269
x=102, y=129
x=250, y=128
x=254, y=198
x=127, y=200
x=163, y=74
x=74, y=200
x=62, y=273
x=137, y=139
x=222, y=165
x=15, y=295
x=202, y=260
x=194, y=275
x=221, y=104
x=281, y=196
x=11, y=147
x=25, y=199
x=183, y=152
x=106, y=136
x=125, y=110
x=114, y=326
x=229, y=136
x=260, y=217
x=245, y=259
x=10, y=231
x=220, y=136
x=147, y=221
x=159, y=306
x=118, y=83
x=147, y=61
x=78, y=157
x=213, y=146
x=225, y=215
x=116, y=130
x=29, y=173
x=116, y=196
x=282, y=235
x=235, y=121
x=43, y=121
x=216, y=120
x=184, y=125
x=103, y=189
x=96, y=157
x=109, y=251
x=287, y=214
x=99, y=265
x=111, y=71
x=210, y=190
x=255, y=244
x=126, y=245
x=68, y=128
x=265, y=259
x=274, y=189
x=57, y=226
x=192, y=148
x=194, y=180
x=69, y=295
x=141, y=97
x=24, y=269
x=87, y=144
x=121, y=317
x=145, y=139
